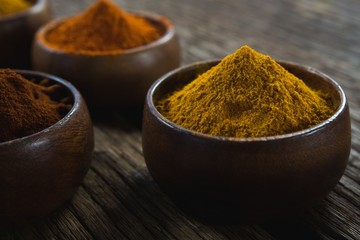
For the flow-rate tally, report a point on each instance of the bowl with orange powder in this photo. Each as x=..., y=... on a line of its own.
x=46, y=144
x=111, y=55
x=19, y=20
x=246, y=138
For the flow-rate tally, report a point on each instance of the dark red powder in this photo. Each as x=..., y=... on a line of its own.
x=25, y=107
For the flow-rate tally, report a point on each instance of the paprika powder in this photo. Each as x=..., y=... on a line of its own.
x=26, y=107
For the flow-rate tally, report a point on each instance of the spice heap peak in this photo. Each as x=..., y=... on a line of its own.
x=103, y=28
x=246, y=95
x=8, y=7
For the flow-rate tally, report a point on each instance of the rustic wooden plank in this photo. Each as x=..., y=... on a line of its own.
x=137, y=206
x=93, y=217
x=337, y=218
x=60, y=225
x=115, y=208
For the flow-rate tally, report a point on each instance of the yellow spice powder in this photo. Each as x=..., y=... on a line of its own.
x=246, y=95
x=13, y=6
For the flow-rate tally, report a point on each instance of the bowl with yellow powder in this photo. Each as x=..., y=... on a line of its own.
x=246, y=138
x=111, y=55
x=45, y=145
x=19, y=20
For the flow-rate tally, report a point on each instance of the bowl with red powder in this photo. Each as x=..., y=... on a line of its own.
x=111, y=55
x=19, y=20
x=246, y=138
x=45, y=144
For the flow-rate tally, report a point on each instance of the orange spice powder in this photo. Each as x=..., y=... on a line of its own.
x=103, y=28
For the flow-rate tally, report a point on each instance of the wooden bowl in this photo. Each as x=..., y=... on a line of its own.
x=39, y=172
x=117, y=80
x=16, y=34
x=247, y=180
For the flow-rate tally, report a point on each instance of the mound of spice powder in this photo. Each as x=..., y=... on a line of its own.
x=8, y=7
x=247, y=94
x=26, y=107
x=103, y=28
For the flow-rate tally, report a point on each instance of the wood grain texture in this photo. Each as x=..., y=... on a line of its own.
x=119, y=199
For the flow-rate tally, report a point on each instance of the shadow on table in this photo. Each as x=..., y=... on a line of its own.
x=290, y=228
x=130, y=115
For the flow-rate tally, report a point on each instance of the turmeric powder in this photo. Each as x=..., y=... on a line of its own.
x=246, y=95
x=13, y=6
x=103, y=28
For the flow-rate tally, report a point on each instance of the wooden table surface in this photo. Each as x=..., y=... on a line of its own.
x=120, y=200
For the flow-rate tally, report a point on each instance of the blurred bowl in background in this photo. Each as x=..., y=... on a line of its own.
x=112, y=80
x=17, y=31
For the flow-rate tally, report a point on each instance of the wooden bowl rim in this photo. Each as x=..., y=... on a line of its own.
x=168, y=34
x=309, y=131
x=33, y=9
x=63, y=120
